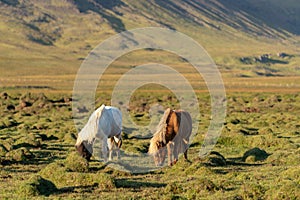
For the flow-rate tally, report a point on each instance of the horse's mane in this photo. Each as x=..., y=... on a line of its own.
x=160, y=134
x=89, y=131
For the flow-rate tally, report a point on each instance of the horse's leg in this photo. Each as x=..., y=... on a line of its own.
x=118, y=153
x=170, y=150
x=185, y=154
x=110, y=154
x=175, y=152
x=118, y=146
x=104, y=149
x=111, y=145
x=186, y=146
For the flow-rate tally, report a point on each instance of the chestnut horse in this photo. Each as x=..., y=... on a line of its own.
x=105, y=123
x=173, y=133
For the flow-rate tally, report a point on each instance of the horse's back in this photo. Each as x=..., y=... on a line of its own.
x=110, y=122
x=115, y=115
x=185, y=123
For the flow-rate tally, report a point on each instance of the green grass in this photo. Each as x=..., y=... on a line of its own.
x=273, y=177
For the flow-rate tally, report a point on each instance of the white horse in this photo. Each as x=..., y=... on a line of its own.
x=105, y=123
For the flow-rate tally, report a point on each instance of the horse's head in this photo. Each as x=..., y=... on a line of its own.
x=85, y=150
x=158, y=151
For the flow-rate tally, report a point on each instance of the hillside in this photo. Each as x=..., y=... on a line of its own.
x=44, y=36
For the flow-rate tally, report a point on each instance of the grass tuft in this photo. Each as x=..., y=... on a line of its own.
x=76, y=163
x=36, y=185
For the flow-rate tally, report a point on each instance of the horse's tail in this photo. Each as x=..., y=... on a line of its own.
x=98, y=112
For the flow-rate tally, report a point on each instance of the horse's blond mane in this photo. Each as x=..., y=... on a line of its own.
x=163, y=120
x=160, y=134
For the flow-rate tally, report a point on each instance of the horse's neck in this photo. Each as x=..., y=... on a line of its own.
x=172, y=126
x=89, y=131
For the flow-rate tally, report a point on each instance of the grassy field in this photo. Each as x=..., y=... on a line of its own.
x=38, y=135
x=43, y=44
x=256, y=157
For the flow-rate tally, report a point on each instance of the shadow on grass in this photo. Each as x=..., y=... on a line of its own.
x=36, y=156
x=126, y=183
x=84, y=188
x=238, y=162
x=233, y=164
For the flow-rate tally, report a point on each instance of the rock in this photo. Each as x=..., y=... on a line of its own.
x=249, y=131
x=82, y=110
x=24, y=104
x=4, y=95
x=282, y=55
x=263, y=58
x=67, y=99
x=235, y=121
x=10, y=107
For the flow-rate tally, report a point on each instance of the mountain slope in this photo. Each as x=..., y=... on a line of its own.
x=56, y=34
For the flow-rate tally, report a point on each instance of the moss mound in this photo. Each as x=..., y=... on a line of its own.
x=76, y=163
x=8, y=123
x=61, y=176
x=198, y=168
x=3, y=150
x=174, y=188
x=8, y=143
x=54, y=171
x=69, y=138
x=255, y=154
x=206, y=184
x=104, y=181
x=36, y=185
x=250, y=159
x=215, y=159
x=19, y=155
x=29, y=140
